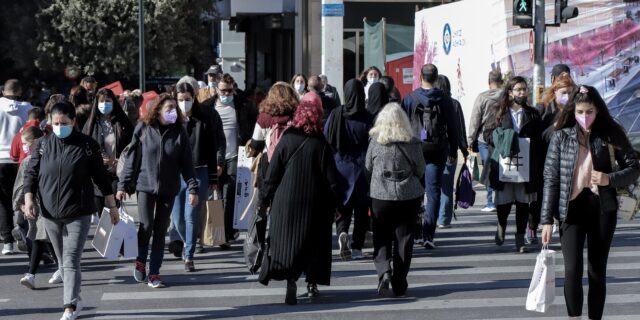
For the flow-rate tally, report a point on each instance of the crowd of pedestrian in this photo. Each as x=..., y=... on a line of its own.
x=374, y=159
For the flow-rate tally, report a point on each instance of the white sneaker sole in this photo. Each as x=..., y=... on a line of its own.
x=27, y=284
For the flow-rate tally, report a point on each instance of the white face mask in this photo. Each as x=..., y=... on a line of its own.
x=185, y=106
x=299, y=87
x=372, y=80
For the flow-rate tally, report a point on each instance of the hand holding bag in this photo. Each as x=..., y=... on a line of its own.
x=542, y=289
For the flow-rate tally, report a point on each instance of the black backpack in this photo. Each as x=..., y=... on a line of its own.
x=433, y=126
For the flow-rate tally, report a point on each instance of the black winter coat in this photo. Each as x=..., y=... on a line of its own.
x=62, y=172
x=531, y=128
x=164, y=157
x=560, y=166
x=208, y=143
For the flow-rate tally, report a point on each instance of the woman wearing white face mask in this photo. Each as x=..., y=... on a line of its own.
x=62, y=170
x=580, y=184
x=553, y=101
x=299, y=82
x=164, y=152
x=111, y=128
x=369, y=77
x=208, y=148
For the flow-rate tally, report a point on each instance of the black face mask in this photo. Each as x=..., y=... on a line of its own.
x=520, y=100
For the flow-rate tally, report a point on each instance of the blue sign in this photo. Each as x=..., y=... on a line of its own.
x=447, y=38
x=333, y=10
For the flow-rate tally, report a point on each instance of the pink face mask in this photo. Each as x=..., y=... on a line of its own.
x=585, y=120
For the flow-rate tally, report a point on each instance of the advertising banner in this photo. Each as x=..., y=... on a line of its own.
x=600, y=46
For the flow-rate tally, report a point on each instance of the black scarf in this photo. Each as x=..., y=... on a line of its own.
x=378, y=98
x=354, y=103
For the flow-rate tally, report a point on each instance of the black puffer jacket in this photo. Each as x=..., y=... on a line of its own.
x=62, y=172
x=560, y=166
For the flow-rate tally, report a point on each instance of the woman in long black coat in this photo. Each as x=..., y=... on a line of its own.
x=302, y=187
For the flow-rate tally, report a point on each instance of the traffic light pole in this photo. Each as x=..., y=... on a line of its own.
x=538, y=69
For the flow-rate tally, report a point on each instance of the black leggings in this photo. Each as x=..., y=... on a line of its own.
x=522, y=215
x=585, y=221
x=37, y=249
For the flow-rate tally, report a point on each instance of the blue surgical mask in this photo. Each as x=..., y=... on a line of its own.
x=226, y=100
x=62, y=131
x=105, y=107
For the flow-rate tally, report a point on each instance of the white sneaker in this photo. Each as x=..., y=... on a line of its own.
x=429, y=244
x=69, y=315
x=56, y=277
x=356, y=254
x=7, y=249
x=28, y=281
x=489, y=209
x=343, y=243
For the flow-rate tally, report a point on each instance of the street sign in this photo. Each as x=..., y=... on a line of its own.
x=333, y=10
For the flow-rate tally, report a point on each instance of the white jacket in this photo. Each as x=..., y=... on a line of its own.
x=13, y=115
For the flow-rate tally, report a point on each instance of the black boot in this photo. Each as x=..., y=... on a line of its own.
x=291, y=297
x=520, y=247
x=500, y=234
x=312, y=290
x=383, y=285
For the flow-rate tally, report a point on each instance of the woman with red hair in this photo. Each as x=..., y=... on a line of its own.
x=553, y=101
x=301, y=188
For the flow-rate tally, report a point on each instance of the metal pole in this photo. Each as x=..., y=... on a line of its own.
x=141, y=44
x=538, y=69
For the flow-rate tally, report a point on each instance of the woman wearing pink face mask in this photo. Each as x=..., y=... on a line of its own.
x=553, y=101
x=580, y=191
x=162, y=146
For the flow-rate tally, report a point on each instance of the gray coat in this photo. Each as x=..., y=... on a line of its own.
x=396, y=170
x=481, y=114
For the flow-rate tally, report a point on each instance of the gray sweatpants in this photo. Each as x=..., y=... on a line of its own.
x=68, y=237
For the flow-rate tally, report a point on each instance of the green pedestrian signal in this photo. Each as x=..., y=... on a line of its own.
x=523, y=13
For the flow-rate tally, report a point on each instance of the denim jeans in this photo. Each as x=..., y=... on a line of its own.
x=185, y=217
x=154, y=212
x=68, y=237
x=484, y=156
x=446, y=195
x=433, y=189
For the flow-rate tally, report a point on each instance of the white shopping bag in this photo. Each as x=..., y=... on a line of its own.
x=127, y=226
x=516, y=168
x=245, y=204
x=107, y=239
x=542, y=289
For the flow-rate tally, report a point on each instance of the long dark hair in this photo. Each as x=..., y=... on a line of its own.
x=505, y=101
x=603, y=126
x=116, y=115
x=185, y=87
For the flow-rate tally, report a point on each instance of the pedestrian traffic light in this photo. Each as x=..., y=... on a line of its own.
x=523, y=13
x=564, y=12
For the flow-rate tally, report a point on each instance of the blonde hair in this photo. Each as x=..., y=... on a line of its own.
x=392, y=125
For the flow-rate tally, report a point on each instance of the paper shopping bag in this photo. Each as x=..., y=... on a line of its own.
x=107, y=239
x=542, y=289
x=213, y=232
x=127, y=226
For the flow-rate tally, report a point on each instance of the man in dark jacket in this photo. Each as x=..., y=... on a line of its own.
x=438, y=148
x=328, y=104
x=482, y=114
x=239, y=117
x=329, y=90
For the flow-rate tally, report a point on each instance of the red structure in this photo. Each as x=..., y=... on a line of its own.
x=401, y=70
